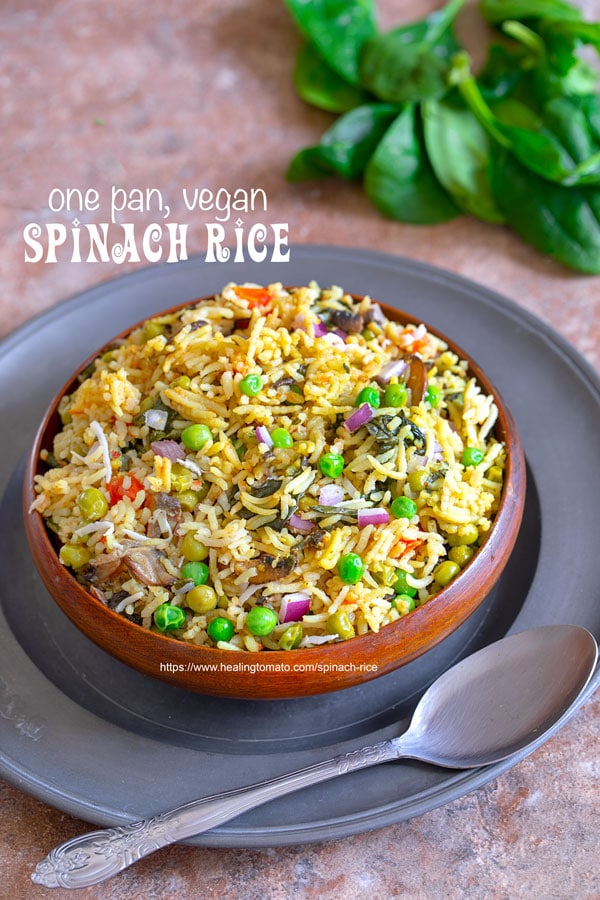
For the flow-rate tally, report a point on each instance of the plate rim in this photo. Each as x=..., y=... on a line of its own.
x=389, y=813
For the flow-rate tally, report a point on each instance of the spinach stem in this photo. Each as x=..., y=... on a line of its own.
x=443, y=19
x=525, y=36
x=460, y=75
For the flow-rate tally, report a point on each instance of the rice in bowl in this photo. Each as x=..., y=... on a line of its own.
x=272, y=468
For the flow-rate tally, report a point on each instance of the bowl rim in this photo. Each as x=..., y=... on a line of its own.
x=448, y=605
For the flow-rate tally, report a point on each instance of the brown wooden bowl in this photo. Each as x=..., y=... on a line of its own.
x=282, y=674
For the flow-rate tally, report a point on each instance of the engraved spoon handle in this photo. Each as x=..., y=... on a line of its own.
x=97, y=856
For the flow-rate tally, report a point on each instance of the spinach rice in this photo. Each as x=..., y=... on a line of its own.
x=268, y=469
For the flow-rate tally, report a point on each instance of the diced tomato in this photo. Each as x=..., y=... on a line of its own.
x=401, y=547
x=116, y=491
x=254, y=296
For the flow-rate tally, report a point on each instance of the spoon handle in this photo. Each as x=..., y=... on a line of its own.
x=92, y=858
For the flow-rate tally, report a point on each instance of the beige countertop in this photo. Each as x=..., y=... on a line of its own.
x=198, y=95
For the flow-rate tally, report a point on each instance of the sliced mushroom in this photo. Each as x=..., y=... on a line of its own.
x=98, y=594
x=105, y=566
x=352, y=323
x=416, y=380
x=170, y=505
x=269, y=567
x=145, y=565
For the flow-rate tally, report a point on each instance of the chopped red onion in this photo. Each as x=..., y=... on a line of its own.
x=156, y=418
x=341, y=334
x=391, y=370
x=335, y=340
x=300, y=524
x=171, y=449
x=299, y=322
x=331, y=495
x=375, y=314
x=359, y=418
x=294, y=606
x=263, y=436
x=375, y=515
x=438, y=452
x=320, y=329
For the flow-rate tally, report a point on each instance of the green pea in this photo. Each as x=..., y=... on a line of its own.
x=433, y=395
x=181, y=477
x=183, y=382
x=471, y=456
x=261, y=620
x=368, y=334
x=350, y=568
x=445, y=572
x=167, y=617
x=495, y=474
x=194, y=437
x=404, y=603
x=461, y=555
x=467, y=534
x=220, y=629
x=192, y=549
x=92, y=504
x=368, y=395
x=152, y=329
x=403, y=508
x=416, y=480
x=74, y=555
x=395, y=395
x=281, y=438
x=401, y=586
x=196, y=572
x=201, y=599
x=251, y=385
x=339, y=623
x=188, y=499
x=332, y=464
x=291, y=637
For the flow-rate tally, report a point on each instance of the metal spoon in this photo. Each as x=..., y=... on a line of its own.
x=500, y=700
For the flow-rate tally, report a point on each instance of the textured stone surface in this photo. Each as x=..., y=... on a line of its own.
x=191, y=94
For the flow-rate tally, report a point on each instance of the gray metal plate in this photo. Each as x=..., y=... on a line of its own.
x=98, y=740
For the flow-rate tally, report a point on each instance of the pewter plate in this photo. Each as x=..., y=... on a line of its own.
x=94, y=738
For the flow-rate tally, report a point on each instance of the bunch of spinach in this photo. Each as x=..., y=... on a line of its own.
x=518, y=144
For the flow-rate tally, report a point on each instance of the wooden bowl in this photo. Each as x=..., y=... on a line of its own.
x=283, y=674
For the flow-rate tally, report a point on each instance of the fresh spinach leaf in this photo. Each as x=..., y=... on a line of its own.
x=590, y=107
x=555, y=67
x=503, y=72
x=496, y=11
x=347, y=146
x=410, y=63
x=540, y=148
x=459, y=151
x=562, y=222
x=308, y=164
x=399, y=179
x=317, y=83
x=582, y=32
x=337, y=29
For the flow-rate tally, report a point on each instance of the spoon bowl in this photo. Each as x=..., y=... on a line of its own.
x=505, y=698
x=501, y=698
